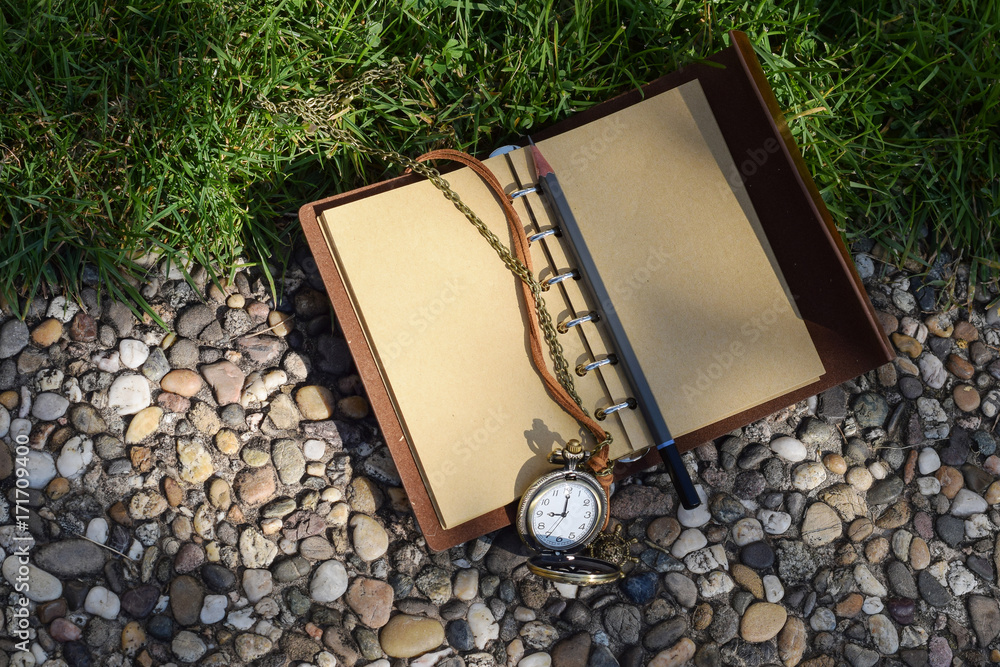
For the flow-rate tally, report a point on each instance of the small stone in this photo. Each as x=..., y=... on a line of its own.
x=789, y=449
x=182, y=382
x=932, y=371
x=678, y=654
x=931, y=590
x=147, y=505
x=250, y=647
x=867, y=582
x=406, y=636
x=835, y=463
x=808, y=476
x=985, y=616
x=257, y=584
x=102, y=602
x=928, y=461
x=845, y=500
x=49, y=406
x=961, y=368
x=226, y=380
x=194, y=320
x=255, y=485
x=966, y=398
x=289, y=461
x=920, y=556
x=775, y=523
x=255, y=549
x=792, y=641
x=129, y=394
x=132, y=353
x=188, y=647
x=871, y=410
x=371, y=600
x=690, y=540
x=746, y=531
x=697, y=517
x=315, y=403
x=47, y=333
x=143, y=425
x=13, y=338
x=966, y=503
x=821, y=525
x=860, y=529
x=195, y=462
x=281, y=324
x=762, y=621
x=884, y=634
x=757, y=555
x=907, y=345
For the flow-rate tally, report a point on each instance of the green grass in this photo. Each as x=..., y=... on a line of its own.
x=128, y=128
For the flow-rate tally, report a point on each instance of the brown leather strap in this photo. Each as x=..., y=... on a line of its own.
x=604, y=470
x=523, y=253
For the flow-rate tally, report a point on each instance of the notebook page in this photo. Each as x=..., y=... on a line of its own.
x=706, y=314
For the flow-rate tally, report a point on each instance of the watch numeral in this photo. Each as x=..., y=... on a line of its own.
x=587, y=515
x=545, y=502
x=539, y=513
x=583, y=526
x=572, y=536
x=541, y=525
x=586, y=503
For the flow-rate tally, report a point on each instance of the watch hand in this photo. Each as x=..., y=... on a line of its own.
x=566, y=506
x=549, y=534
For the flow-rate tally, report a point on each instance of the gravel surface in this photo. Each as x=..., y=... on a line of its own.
x=220, y=495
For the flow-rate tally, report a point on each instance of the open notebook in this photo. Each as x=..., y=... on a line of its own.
x=675, y=239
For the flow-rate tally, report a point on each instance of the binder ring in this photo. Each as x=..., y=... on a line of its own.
x=540, y=235
x=583, y=369
x=603, y=413
x=555, y=280
x=563, y=327
x=520, y=193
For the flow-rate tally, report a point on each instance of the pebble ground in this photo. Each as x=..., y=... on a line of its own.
x=218, y=494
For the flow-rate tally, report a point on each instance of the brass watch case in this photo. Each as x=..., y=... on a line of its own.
x=564, y=565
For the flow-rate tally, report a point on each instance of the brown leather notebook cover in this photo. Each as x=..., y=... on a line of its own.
x=803, y=241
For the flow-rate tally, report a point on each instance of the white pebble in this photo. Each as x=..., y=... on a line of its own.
x=41, y=469
x=872, y=605
x=746, y=531
x=567, y=591
x=788, y=448
x=867, y=582
x=928, y=461
x=97, y=530
x=967, y=503
x=928, y=486
x=314, y=449
x=773, y=590
x=102, y=602
x=808, y=476
x=329, y=581
x=62, y=309
x=535, y=660
x=132, y=353
x=716, y=583
x=775, y=523
x=129, y=394
x=859, y=478
x=241, y=619
x=466, y=584
x=213, y=609
x=483, y=625
x=977, y=526
x=76, y=455
x=274, y=379
x=699, y=516
x=109, y=362
x=708, y=559
x=690, y=540
x=961, y=580
x=49, y=379
x=878, y=470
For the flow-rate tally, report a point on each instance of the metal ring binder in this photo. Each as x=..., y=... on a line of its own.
x=592, y=316
x=540, y=235
x=583, y=369
x=555, y=280
x=520, y=193
x=603, y=413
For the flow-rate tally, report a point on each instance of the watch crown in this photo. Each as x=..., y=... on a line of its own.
x=574, y=447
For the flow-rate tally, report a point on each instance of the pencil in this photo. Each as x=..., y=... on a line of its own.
x=592, y=284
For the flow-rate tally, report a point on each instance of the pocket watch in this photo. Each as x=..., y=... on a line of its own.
x=559, y=516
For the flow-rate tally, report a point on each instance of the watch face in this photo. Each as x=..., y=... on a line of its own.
x=564, y=514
